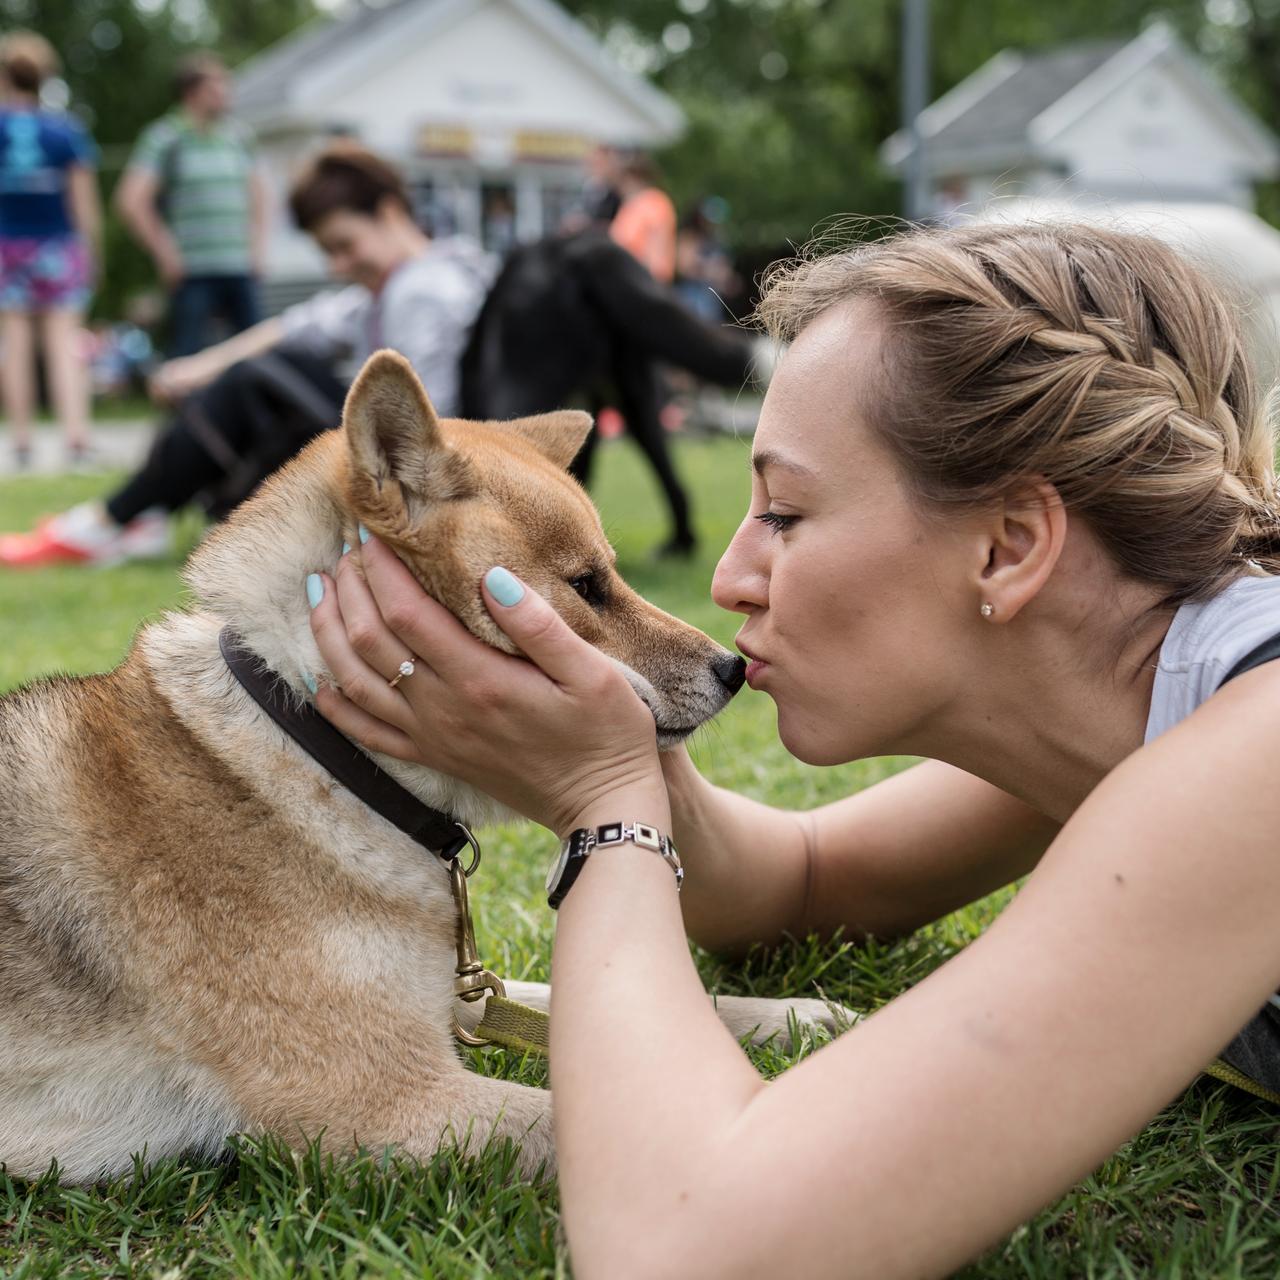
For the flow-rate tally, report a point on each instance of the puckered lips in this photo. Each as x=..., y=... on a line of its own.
x=756, y=666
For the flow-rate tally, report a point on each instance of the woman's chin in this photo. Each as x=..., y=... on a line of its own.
x=808, y=747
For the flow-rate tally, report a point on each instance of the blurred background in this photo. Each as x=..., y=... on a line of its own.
x=771, y=116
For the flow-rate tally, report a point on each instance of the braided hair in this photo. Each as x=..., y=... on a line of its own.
x=1101, y=361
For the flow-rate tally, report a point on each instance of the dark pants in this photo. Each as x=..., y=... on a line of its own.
x=200, y=300
x=229, y=436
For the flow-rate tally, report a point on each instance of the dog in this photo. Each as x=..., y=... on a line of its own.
x=571, y=314
x=201, y=931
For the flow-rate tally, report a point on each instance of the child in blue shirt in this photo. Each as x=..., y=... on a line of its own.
x=49, y=231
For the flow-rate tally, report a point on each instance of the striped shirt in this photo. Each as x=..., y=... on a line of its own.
x=204, y=190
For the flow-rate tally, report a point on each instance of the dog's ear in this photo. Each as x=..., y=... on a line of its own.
x=557, y=436
x=393, y=432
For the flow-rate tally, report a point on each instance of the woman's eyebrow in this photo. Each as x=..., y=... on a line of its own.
x=767, y=458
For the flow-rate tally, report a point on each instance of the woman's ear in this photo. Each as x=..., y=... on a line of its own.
x=1024, y=542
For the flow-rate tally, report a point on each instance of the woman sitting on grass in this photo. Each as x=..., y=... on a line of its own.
x=1013, y=510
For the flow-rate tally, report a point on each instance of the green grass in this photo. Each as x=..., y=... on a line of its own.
x=1197, y=1194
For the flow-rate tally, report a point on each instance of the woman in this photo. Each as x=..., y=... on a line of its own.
x=1013, y=510
x=50, y=241
x=247, y=404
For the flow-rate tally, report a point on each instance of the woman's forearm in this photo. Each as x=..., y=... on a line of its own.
x=640, y=1064
x=241, y=346
x=746, y=863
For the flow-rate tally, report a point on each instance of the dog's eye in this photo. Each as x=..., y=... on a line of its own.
x=590, y=588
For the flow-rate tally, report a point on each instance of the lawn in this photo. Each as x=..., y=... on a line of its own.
x=1197, y=1194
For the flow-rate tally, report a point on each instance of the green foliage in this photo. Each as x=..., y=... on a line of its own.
x=1194, y=1194
x=789, y=100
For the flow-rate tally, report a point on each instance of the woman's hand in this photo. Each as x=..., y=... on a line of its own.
x=561, y=737
x=176, y=379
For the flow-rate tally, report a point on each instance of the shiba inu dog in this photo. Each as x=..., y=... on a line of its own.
x=201, y=931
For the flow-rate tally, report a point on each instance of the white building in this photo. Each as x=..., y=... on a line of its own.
x=1136, y=120
x=489, y=106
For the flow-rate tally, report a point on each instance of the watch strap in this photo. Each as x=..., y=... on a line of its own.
x=583, y=842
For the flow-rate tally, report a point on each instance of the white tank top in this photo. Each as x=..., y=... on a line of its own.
x=1204, y=642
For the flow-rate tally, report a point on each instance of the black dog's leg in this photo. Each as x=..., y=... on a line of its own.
x=637, y=382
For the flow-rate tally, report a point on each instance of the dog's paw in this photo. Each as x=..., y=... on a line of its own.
x=763, y=1020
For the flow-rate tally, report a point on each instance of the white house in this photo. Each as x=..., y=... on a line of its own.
x=489, y=106
x=1136, y=120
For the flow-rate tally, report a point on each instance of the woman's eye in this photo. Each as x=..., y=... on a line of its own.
x=777, y=522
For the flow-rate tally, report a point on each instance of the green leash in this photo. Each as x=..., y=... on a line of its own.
x=506, y=1022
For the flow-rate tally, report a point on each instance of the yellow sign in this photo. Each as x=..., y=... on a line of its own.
x=445, y=140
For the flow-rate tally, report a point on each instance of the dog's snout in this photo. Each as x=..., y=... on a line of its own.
x=730, y=670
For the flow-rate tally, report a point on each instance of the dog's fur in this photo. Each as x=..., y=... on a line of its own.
x=200, y=931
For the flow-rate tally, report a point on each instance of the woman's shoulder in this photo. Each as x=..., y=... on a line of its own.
x=1205, y=642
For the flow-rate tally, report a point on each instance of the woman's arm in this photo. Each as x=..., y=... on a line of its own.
x=1146, y=938
x=896, y=856
x=181, y=376
x=85, y=207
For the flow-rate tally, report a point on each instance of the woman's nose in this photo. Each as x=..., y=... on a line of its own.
x=739, y=584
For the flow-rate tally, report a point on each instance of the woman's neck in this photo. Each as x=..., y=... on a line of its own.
x=1056, y=710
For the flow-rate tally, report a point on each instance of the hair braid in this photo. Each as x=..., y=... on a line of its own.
x=1099, y=360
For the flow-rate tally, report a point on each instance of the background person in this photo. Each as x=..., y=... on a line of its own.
x=248, y=404
x=194, y=200
x=1013, y=510
x=50, y=243
x=645, y=224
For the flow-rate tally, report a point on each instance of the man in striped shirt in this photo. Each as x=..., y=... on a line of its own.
x=195, y=201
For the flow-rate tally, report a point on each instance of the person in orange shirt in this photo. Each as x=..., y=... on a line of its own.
x=645, y=224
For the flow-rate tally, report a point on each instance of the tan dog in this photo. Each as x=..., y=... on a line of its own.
x=201, y=932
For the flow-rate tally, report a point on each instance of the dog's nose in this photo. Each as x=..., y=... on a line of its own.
x=730, y=670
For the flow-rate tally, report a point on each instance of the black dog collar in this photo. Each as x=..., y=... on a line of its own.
x=442, y=835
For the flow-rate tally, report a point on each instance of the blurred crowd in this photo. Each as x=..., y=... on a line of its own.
x=622, y=309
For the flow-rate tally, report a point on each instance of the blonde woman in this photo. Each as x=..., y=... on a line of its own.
x=50, y=234
x=1013, y=510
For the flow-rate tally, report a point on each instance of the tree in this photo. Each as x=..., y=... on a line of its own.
x=789, y=100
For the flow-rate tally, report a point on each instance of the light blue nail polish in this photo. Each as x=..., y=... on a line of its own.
x=310, y=682
x=315, y=589
x=346, y=546
x=503, y=587
x=364, y=534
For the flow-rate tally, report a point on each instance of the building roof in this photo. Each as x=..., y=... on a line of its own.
x=1010, y=109
x=270, y=84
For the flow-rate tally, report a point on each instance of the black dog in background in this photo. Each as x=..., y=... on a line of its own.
x=571, y=316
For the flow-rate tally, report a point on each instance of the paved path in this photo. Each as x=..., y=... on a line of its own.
x=117, y=445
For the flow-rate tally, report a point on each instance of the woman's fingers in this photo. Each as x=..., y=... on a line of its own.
x=540, y=633
x=362, y=683
x=367, y=631
x=373, y=733
x=422, y=624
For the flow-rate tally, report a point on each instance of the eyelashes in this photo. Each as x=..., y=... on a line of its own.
x=777, y=522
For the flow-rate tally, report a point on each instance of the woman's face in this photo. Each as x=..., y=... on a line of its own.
x=858, y=607
x=361, y=248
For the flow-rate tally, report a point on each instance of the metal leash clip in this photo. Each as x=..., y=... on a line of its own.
x=472, y=980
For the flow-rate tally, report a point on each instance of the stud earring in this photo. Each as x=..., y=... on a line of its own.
x=987, y=609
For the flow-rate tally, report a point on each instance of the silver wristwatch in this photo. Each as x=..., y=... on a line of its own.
x=579, y=846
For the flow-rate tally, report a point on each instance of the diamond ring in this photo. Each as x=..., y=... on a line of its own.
x=406, y=669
